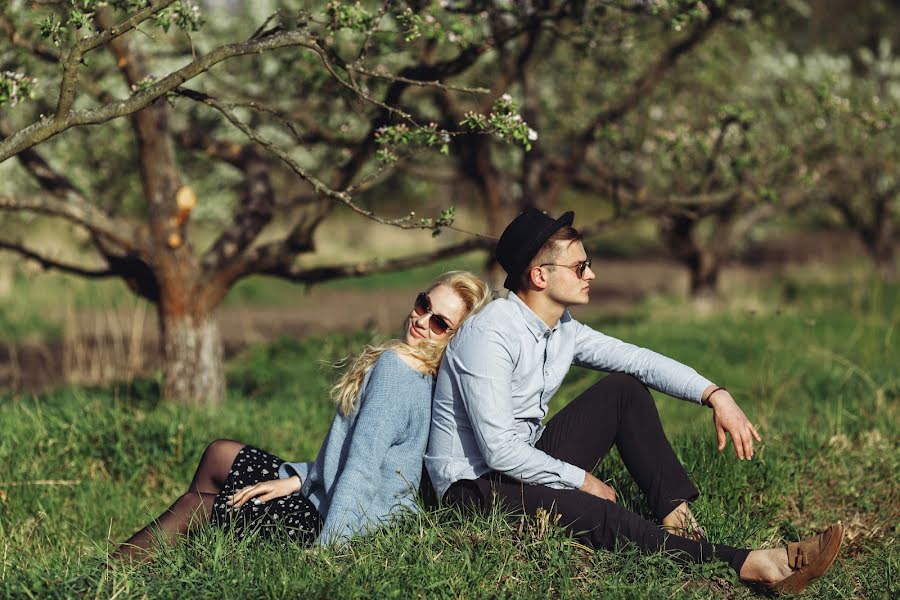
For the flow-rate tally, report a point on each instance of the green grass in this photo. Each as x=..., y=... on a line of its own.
x=39, y=304
x=814, y=365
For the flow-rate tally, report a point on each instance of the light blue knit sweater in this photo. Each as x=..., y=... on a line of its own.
x=370, y=463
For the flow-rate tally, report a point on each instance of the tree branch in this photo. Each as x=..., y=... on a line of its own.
x=62, y=187
x=78, y=211
x=434, y=83
x=766, y=210
x=49, y=263
x=50, y=126
x=46, y=53
x=558, y=174
x=256, y=209
x=51, y=55
x=314, y=133
x=326, y=273
x=319, y=186
x=68, y=85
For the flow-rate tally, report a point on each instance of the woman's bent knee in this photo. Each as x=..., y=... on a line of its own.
x=222, y=449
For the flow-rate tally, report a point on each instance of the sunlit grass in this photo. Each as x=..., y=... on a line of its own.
x=814, y=366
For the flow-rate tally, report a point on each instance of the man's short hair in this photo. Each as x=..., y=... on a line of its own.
x=549, y=252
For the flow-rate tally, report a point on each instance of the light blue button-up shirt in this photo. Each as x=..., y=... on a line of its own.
x=497, y=378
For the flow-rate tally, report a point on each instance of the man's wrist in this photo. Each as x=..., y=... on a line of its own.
x=573, y=477
x=297, y=485
x=711, y=395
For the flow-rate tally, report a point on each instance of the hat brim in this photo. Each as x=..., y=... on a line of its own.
x=565, y=220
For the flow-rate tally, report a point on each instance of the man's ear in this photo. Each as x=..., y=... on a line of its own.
x=536, y=276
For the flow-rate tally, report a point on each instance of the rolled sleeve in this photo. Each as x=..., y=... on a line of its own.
x=605, y=353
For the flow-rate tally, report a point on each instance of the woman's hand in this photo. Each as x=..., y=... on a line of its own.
x=728, y=417
x=264, y=491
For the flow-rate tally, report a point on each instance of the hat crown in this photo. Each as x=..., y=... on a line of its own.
x=523, y=237
x=518, y=233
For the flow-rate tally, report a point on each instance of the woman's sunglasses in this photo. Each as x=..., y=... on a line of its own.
x=436, y=323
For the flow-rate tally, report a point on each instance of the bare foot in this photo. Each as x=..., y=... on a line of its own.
x=681, y=521
x=766, y=566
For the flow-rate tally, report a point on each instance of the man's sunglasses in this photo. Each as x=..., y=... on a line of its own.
x=436, y=323
x=579, y=269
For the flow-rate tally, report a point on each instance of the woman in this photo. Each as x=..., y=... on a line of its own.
x=370, y=462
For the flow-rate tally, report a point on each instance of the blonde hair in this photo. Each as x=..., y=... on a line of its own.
x=474, y=293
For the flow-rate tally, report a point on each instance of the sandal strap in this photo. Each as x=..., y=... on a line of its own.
x=798, y=555
x=801, y=553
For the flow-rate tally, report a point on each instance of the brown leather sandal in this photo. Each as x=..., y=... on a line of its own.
x=810, y=559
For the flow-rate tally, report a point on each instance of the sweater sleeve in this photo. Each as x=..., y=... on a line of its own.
x=384, y=411
x=289, y=469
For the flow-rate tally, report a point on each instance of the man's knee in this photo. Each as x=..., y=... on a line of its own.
x=621, y=385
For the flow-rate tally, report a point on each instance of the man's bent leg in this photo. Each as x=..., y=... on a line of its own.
x=596, y=522
x=619, y=410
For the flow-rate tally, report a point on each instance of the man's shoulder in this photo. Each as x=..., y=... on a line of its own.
x=568, y=322
x=499, y=322
x=500, y=315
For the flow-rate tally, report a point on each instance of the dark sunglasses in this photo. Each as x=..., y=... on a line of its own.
x=436, y=323
x=579, y=269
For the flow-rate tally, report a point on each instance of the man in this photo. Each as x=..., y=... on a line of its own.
x=498, y=375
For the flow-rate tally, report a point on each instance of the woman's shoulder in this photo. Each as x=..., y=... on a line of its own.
x=395, y=363
x=396, y=382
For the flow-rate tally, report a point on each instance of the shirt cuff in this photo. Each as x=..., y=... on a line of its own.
x=696, y=388
x=572, y=476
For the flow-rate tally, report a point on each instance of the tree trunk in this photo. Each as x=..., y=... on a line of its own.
x=885, y=256
x=191, y=344
x=704, y=268
x=193, y=371
x=678, y=233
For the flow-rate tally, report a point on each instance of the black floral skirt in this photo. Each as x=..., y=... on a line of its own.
x=292, y=517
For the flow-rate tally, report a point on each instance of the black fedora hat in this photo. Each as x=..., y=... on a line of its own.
x=522, y=239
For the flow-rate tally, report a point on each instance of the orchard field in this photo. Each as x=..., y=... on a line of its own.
x=813, y=360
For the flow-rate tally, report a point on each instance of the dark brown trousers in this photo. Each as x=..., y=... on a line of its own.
x=616, y=410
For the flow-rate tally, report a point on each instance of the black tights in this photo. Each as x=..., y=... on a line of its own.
x=192, y=509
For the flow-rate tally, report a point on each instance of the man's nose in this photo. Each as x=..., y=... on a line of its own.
x=589, y=274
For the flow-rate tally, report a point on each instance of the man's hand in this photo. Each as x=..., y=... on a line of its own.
x=595, y=487
x=728, y=417
x=265, y=491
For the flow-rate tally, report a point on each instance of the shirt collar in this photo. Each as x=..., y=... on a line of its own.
x=534, y=323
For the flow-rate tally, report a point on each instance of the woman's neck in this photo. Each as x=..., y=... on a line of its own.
x=411, y=361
